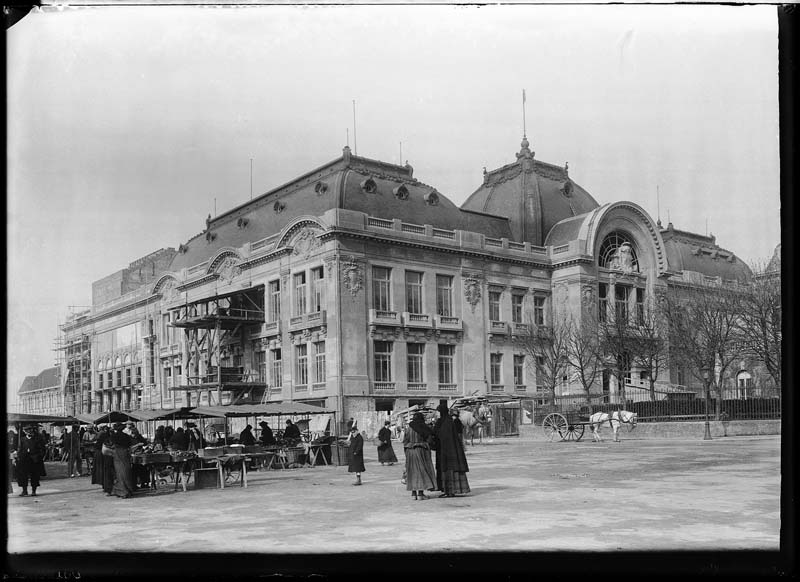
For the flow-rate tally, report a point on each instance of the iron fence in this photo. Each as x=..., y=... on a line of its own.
x=725, y=406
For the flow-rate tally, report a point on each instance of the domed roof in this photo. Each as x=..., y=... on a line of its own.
x=376, y=188
x=533, y=195
x=688, y=251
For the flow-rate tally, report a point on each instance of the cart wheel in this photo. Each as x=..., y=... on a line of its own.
x=573, y=432
x=554, y=424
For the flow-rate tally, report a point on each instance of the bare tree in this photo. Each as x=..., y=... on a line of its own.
x=649, y=331
x=760, y=330
x=583, y=351
x=703, y=326
x=618, y=344
x=546, y=351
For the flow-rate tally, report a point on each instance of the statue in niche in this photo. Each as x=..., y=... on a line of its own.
x=169, y=290
x=623, y=259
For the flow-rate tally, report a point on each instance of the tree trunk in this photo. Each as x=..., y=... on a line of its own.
x=652, y=389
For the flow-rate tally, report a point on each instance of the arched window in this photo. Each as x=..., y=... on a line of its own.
x=619, y=253
x=127, y=360
x=108, y=364
x=118, y=361
x=100, y=365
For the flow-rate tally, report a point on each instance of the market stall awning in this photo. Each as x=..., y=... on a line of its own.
x=18, y=417
x=272, y=409
x=102, y=417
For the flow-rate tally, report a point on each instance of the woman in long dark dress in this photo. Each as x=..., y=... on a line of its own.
x=103, y=470
x=123, y=473
x=356, y=450
x=451, y=461
x=420, y=475
x=385, y=450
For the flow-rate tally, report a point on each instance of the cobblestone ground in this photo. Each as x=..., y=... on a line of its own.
x=722, y=494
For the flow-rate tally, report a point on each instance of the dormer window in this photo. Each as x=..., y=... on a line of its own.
x=432, y=198
x=401, y=192
x=369, y=186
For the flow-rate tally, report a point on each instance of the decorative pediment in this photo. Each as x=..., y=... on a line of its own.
x=167, y=287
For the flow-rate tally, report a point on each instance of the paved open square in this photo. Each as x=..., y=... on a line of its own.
x=636, y=495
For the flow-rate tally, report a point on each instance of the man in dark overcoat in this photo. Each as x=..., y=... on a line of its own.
x=73, y=444
x=30, y=460
x=356, y=457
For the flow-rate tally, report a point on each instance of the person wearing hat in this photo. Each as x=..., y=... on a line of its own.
x=292, y=432
x=195, y=437
x=30, y=459
x=385, y=450
x=266, y=437
x=246, y=437
x=103, y=469
x=451, y=461
x=355, y=455
x=73, y=449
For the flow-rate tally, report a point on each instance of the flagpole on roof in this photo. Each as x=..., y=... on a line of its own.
x=524, y=126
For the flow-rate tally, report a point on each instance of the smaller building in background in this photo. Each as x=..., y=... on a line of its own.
x=42, y=394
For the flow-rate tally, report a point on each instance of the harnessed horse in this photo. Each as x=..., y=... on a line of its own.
x=614, y=420
x=473, y=420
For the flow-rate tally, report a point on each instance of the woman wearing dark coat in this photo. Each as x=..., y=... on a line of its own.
x=179, y=440
x=385, y=450
x=103, y=470
x=246, y=437
x=356, y=454
x=267, y=438
x=420, y=474
x=451, y=461
x=123, y=472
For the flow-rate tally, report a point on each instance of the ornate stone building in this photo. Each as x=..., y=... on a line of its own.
x=358, y=287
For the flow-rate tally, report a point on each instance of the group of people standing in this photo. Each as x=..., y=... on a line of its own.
x=449, y=472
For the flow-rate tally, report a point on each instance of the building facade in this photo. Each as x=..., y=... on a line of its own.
x=43, y=393
x=358, y=287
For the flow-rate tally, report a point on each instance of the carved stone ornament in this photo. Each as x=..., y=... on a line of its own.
x=587, y=295
x=278, y=207
x=228, y=270
x=472, y=290
x=353, y=277
x=306, y=243
x=169, y=290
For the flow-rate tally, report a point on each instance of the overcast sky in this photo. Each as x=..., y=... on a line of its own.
x=125, y=124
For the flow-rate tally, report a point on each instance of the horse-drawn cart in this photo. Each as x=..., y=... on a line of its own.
x=568, y=425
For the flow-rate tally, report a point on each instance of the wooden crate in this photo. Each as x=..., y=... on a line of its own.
x=206, y=478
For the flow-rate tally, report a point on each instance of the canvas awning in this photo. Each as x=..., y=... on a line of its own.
x=21, y=418
x=271, y=409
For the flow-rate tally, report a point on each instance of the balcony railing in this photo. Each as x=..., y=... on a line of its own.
x=317, y=386
x=498, y=388
x=498, y=327
x=417, y=320
x=448, y=387
x=381, y=317
x=521, y=329
x=417, y=386
x=447, y=322
x=313, y=319
x=520, y=388
x=301, y=388
x=384, y=386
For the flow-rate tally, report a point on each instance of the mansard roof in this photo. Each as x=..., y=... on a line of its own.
x=47, y=378
x=534, y=195
x=376, y=188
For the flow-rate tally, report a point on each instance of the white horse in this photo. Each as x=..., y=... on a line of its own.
x=614, y=420
x=473, y=420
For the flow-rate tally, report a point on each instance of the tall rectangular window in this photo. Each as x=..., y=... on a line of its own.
x=519, y=370
x=383, y=361
x=494, y=305
x=415, y=363
x=167, y=378
x=261, y=366
x=317, y=289
x=100, y=381
x=446, y=357
x=640, y=306
x=276, y=364
x=300, y=293
x=413, y=292
x=138, y=374
x=320, y=373
x=621, y=297
x=127, y=376
x=602, y=304
x=176, y=376
x=538, y=310
x=274, y=300
x=381, y=297
x=165, y=329
x=110, y=377
x=119, y=378
x=516, y=307
x=301, y=358
x=496, y=369
x=444, y=295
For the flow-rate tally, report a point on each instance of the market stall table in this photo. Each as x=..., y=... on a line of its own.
x=181, y=467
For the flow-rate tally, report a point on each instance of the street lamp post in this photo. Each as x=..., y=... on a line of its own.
x=706, y=373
